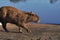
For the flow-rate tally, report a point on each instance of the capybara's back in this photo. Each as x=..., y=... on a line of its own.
x=11, y=14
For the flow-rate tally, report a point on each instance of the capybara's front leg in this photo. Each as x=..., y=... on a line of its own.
x=26, y=28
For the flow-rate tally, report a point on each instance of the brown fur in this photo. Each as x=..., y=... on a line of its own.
x=10, y=14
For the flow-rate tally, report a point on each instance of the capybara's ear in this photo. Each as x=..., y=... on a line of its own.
x=31, y=12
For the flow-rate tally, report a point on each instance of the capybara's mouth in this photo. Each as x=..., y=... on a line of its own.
x=38, y=21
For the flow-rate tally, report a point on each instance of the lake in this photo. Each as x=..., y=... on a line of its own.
x=47, y=10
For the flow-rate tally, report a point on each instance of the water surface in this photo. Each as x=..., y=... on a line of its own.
x=47, y=10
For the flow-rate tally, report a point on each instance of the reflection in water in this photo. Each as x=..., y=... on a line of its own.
x=15, y=1
x=53, y=1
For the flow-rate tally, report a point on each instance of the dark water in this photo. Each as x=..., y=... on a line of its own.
x=48, y=10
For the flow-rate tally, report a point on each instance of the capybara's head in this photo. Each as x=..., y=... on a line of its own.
x=33, y=17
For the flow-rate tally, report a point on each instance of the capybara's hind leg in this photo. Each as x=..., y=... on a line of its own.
x=4, y=27
x=20, y=29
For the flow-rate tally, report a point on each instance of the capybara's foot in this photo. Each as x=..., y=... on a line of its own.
x=6, y=31
x=20, y=31
x=28, y=30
